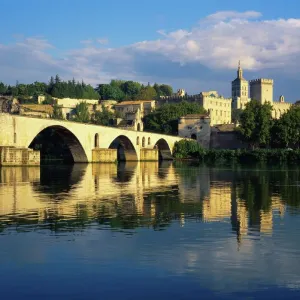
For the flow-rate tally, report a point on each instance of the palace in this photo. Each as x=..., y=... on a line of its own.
x=261, y=90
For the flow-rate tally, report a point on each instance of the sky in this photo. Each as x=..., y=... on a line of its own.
x=191, y=44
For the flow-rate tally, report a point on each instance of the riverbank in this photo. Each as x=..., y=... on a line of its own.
x=188, y=150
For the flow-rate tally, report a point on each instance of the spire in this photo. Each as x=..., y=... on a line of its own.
x=239, y=71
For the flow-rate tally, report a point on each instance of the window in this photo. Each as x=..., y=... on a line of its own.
x=15, y=137
x=143, y=142
x=149, y=141
x=96, y=141
x=138, y=140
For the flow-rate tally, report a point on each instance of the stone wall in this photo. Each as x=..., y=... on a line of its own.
x=104, y=155
x=149, y=154
x=11, y=156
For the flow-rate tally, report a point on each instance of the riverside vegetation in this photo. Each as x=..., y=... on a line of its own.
x=268, y=139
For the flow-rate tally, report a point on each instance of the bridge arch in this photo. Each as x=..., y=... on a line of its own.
x=125, y=148
x=163, y=147
x=64, y=137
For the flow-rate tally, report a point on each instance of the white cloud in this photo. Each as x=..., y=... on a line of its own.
x=213, y=46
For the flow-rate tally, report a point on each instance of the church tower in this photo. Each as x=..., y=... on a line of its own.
x=239, y=90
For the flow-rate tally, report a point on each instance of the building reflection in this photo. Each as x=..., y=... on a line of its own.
x=142, y=194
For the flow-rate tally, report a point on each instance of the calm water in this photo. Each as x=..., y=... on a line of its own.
x=149, y=231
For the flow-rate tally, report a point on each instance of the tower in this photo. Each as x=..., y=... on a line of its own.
x=261, y=90
x=239, y=90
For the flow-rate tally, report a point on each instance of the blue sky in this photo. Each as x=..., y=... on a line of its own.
x=190, y=44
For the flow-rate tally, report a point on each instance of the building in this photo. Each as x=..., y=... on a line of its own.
x=197, y=127
x=261, y=90
x=239, y=90
x=144, y=106
x=130, y=121
x=218, y=107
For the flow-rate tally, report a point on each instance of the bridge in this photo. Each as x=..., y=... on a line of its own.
x=86, y=142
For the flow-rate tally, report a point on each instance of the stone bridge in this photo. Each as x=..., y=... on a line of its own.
x=86, y=142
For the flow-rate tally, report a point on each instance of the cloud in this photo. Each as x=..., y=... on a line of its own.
x=206, y=53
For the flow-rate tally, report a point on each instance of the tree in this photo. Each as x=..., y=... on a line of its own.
x=108, y=91
x=286, y=132
x=131, y=89
x=103, y=117
x=166, y=90
x=236, y=115
x=256, y=123
x=165, y=118
x=147, y=93
x=3, y=88
x=57, y=113
x=82, y=113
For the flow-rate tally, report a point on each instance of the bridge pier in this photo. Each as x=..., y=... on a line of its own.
x=104, y=155
x=13, y=156
x=149, y=154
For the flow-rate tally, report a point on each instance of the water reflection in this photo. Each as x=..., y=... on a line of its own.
x=148, y=194
x=229, y=228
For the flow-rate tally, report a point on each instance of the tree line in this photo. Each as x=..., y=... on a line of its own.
x=260, y=130
x=116, y=90
x=130, y=90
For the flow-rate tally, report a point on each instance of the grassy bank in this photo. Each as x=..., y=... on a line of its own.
x=192, y=150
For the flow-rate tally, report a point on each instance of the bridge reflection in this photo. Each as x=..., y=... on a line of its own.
x=139, y=194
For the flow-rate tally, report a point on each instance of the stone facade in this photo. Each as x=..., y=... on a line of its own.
x=104, y=155
x=218, y=107
x=144, y=106
x=239, y=90
x=261, y=90
x=196, y=127
x=12, y=156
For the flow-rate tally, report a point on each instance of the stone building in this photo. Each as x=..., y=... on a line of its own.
x=261, y=90
x=239, y=90
x=197, y=127
x=144, y=106
x=131, y=120
x=218, y=107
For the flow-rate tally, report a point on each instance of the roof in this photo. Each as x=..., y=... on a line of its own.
x=134, y=102
x=195, y=116
x=225, y=127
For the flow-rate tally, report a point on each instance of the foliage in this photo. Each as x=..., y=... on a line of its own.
x=55, y=88
x=108, y=91
x=147, y=93
x=286, y=130
x=48, y=100
x=103, y=117
x=256, y=123
x=236, y=115
x=82, y=113
x=165, y=118
x=57, y=113
x=187, y=149
x=130, y=90
x=163, y=89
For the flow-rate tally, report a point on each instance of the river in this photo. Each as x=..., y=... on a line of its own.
x=149, y=231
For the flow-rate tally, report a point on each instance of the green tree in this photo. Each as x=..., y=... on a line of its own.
x=57, y=113
x=236, y=115
x=131, y=89
x=3, y=88
x=166, y=90
x=256, y=123
x=82, y=113
x=108, y=92
x=165, y=118
x=103, y=117
x=147, y=93
x=286, y=130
